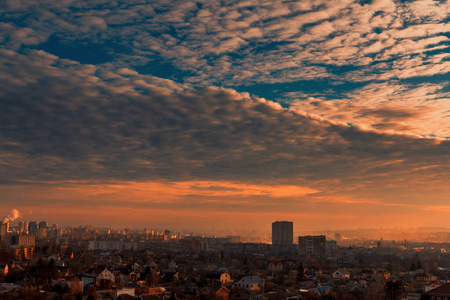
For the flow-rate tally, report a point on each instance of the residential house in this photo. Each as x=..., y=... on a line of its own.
x=219, y=276
x=341, y=274
x=439, y=293
x=249, y=283
x=274, y=265
x=92, y=275
x=424, y=277
x=136, y=268
x=222, y=293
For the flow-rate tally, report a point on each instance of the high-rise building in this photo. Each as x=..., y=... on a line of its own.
x=282, y=233
x=312, y=245
x=337, y=236
x=32, y=228
x=4, y=228
x=25, y=226
x=43, y=224
x=42, y=233
x=26, y=240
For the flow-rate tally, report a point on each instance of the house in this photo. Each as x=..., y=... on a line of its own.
x=169, y=277
x=219, y=276
x=218, y=292
x=424, y=277
x=92, y=275
x=222, y=293
x=172, y=266
x=4, y=269
x=136, y=268
x=151, y=265
x=249, y=283
x=122, y=276
x=324, y=290
x=341, y=274
x=439, y=293
x=274, y=265
x=383, y=273
x=8, y=287
x=125, y=276
x=107, y=285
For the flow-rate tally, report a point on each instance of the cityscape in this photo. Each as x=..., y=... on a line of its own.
x=225, y=149
x=42, y=261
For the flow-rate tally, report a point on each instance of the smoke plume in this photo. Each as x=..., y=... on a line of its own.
x=14, y=214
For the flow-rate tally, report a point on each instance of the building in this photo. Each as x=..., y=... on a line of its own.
x=441, y=293
x=337, y=237
x=234, y=239
x=219, y=276
x=331, y=245
x=341, y=274
x=43, y=224
x=4, y=228
x=25, y=240
x=41, y=233
x=312, y=245
x=98, y=273
x=282, y=233
x=32, y=228
x=249, y=283
x=274, y=265
x=112, y=245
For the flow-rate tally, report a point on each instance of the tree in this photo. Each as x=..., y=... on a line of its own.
x=300, y=272
x=393, y=289
x=53, y=271
x=419, y=264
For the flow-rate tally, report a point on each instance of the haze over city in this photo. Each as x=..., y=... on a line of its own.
x=214, y=117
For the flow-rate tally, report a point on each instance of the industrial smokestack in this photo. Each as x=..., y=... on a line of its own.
x=14, y=214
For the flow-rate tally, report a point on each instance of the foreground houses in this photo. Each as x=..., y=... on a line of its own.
x=249, y=283
x=93, y=275
x=160, y=268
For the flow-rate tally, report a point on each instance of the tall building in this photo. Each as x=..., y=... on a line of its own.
x=32, y=228
x=282, y=233
x=25, y=227
x=4, y=228
x=337, y=237
x=312, y=245
x=26, y=240
x=43, y=224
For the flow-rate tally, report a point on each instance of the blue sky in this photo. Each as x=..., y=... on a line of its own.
x=269, y=93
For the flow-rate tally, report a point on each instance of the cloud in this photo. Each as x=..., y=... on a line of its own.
x=221, y=44
x=386, y=107
x=67, y=120
x=138, y=92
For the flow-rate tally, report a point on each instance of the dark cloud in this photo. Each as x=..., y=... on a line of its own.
x=387, y=114
x=61, y=120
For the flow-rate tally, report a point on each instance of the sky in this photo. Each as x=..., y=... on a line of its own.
x=226, y=115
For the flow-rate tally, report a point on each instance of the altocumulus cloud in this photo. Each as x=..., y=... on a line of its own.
x=340, y=48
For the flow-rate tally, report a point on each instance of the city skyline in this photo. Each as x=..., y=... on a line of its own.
x=206, y=116
x=250, y=235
